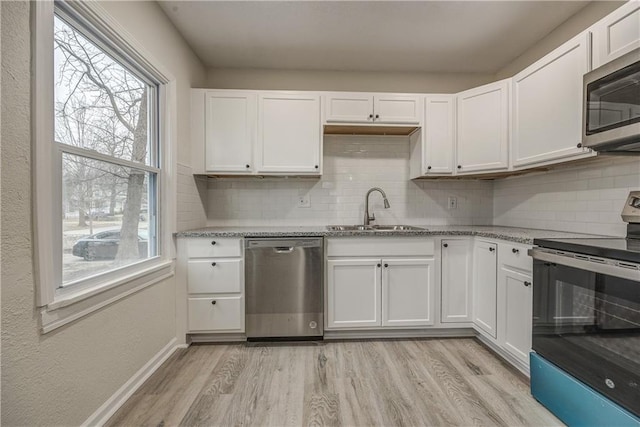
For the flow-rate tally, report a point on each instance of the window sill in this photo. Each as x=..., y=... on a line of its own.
x=71, y=307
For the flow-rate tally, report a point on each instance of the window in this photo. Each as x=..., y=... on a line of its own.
x=101, y=188
x=106, y=141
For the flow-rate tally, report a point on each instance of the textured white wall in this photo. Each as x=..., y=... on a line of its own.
x=344, y=80
x=584, y=199
x=352, y=165
x=62, y=377
x=573, y=26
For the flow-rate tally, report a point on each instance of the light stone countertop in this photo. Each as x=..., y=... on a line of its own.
x=513, y=234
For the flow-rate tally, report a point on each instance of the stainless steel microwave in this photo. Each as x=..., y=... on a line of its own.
x=611, y=106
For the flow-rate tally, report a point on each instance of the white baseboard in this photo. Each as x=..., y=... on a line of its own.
x=108, y=408
x=216, y=338
x=399, y=333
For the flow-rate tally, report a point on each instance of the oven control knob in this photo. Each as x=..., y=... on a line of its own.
x=610, y=383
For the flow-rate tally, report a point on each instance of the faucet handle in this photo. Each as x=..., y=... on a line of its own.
x=372, y=217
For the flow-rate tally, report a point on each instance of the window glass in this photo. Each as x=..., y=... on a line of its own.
x=99, y=104
x=100, y=207
x=105, y=121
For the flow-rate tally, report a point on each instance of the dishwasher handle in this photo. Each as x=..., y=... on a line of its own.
x=283, y=249
x=284, y=244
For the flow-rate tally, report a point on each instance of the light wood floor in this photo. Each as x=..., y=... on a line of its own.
x=354, y=383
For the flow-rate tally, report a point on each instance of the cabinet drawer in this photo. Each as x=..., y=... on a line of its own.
x=380, y=246
x=214, y=247
x=515, y=256
x=226, y=315
x=215, y=276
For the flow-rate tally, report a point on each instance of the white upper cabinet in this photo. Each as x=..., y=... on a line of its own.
x=372, y=108
x=389, y=108
x=230, y=131
x=349, y=107
x=547, y=105
x=616, y=34
x=439, y=134
x=289, y=133
x=483, y=128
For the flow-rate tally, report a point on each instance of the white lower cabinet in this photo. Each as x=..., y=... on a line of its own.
x=215, y=285
x=374, y=283
x=218, y=314
x=484, y=287
x=407, y=292
x=353, y=289
x=515, y=301
x=208, y=276
x=456, y=285
x=516, y=304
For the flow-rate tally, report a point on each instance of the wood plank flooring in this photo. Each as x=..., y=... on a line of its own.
x=435, y=382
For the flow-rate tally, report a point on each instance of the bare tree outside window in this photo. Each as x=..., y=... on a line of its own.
x=102, y=113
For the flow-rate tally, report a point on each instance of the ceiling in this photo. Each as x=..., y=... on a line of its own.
x=411, y=36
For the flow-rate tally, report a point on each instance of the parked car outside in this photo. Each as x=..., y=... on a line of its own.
x=104, y=245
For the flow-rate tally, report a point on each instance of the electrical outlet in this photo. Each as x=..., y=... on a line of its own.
x=304, y=201
x=453, y=203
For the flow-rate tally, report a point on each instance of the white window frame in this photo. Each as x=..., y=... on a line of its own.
x=61, y=306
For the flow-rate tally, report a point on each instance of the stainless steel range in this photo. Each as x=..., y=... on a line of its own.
x=586, y=321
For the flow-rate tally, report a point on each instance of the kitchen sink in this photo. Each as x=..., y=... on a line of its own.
x=373, y=228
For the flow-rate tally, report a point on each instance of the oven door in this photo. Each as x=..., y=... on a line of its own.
x=586, y=320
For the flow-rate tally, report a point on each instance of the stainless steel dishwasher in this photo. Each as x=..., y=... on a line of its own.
x=284, y=287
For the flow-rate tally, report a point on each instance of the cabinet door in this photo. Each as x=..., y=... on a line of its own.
x=616, y=34
x=396, y=109
x=456, y=281
x=219, y=314
x=484, y=287
x=230, y=127
x=353, y=293
x=407, y=292
x=547, y=105
x=516, y=300
x=483, y=128
x=439, y=134
x=207, y=276
x=349, y=107
x=289, y=133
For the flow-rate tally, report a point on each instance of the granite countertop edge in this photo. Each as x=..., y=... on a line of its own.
x=512, y=234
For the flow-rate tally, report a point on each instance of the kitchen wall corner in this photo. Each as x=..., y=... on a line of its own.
x=192, y=199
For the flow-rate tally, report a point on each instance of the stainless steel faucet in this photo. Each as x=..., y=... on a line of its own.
x=368, y=218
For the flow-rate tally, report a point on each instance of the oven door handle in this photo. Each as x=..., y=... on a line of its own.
x=607, y=269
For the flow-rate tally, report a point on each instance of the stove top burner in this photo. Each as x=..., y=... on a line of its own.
x=618, y=249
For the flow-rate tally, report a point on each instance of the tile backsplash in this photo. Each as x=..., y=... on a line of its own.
x=351, y=166
x=584, y=199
